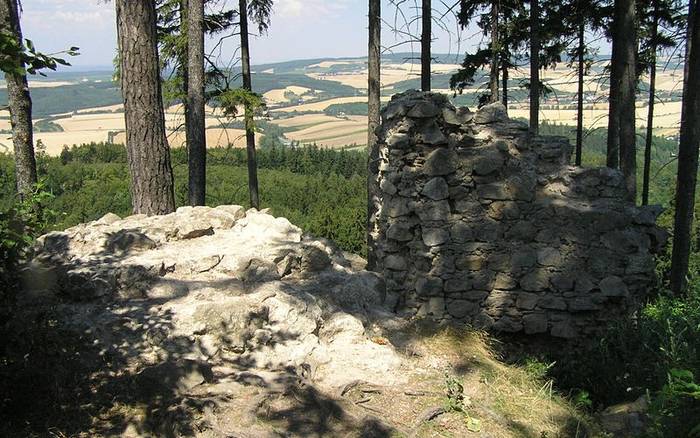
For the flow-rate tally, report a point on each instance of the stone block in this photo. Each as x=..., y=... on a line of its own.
x=526, y=300
x=440, y=162
x=435, y=236
x=429, y=286
x=433, y=211
x=462, y=308
x=436, y=189
x=534, y=323
x=613, y=286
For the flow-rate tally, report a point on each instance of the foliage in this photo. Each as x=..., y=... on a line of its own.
x=303, y=184
x=231, y=101
x=20, y=59
x=47, y=125
x=20, y=224
x=348, y=109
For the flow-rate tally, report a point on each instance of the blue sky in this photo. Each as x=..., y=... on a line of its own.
x=300, y=29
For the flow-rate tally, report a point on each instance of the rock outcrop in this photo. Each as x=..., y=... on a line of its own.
x=482, y=223
x=220, y=322
x=238, y=286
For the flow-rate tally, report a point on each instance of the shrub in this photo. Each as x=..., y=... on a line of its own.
x=20, y=224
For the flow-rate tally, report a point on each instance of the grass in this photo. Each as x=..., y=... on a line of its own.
x=501, y=400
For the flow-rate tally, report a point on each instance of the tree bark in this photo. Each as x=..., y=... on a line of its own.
x=374, y=105
x=248, y=85
x=613, y=149
x=196, y=133
x=650, y=112
x=687, y=157
x=20, y=105
x=426, y=41
x=534, y=67
x=627, y=108
x=146, y=144
x=504, y=96
x=579, y=103
x=493, y=78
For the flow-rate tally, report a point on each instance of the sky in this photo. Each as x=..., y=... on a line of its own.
x=300, y=29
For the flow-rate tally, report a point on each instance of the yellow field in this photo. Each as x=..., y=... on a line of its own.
x=216, y=137
x=327, y=64
x=329, y=131
x=274, y=97
x=667, y=115
x=116, y=107
x=304, y=120
x=323, y=104
x=391, y=74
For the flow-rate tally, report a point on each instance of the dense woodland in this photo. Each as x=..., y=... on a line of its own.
x=332, y=193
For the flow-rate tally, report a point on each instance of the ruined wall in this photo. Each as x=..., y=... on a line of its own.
x=480, y=222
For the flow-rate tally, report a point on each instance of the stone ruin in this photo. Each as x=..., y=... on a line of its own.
x=483, y=223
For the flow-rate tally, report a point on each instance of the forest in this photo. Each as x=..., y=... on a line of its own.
x=652, y=353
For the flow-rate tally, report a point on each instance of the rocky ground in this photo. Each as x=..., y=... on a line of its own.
x=217, y=322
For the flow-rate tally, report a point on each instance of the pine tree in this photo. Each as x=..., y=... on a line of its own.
x=20, y=104
x=688, y=149
x=374, y=105
x=147, y=148
x=195, y=103
x=659, y=20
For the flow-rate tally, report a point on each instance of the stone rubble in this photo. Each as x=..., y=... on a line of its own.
x=482, y=223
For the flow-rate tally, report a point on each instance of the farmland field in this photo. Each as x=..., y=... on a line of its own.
x=321, y=101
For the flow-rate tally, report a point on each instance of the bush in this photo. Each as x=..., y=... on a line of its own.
x=20, y=224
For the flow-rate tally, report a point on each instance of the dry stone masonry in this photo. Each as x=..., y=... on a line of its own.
x=481, y=222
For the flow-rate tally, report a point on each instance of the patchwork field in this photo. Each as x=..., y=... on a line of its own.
x=299, y=94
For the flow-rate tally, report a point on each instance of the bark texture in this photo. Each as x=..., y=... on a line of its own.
x=627, y=107
x=196, y=133
x=493, y=77
x=20, y=105
x=534, y=66
x=146, y=145
x=426, y=41
x=613, y=149
x=374, y=106
x=687, y=156
x=579, y=101
x=248, y=85
x=650, y=114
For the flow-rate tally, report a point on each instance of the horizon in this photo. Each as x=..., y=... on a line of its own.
x=337, y=30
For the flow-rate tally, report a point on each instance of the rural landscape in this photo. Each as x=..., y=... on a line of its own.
x=482, y=223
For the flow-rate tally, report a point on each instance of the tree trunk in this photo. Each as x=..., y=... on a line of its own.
x=493, y=78
x=504, y=73
x=628, y=87
x=20, y=105
x=579, y=103
x=248, y=85
x=534, y=67
x=687, y=157
x=374, y=105
x=146, y=145
x=613, y=149
x=196, y=134
x=426, y=41
x=650, y=113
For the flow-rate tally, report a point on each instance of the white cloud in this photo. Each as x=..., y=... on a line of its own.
x=310, y=8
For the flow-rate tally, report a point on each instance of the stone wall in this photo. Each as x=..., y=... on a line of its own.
x=481, y=222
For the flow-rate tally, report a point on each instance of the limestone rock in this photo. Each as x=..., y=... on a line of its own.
x=491, y=113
